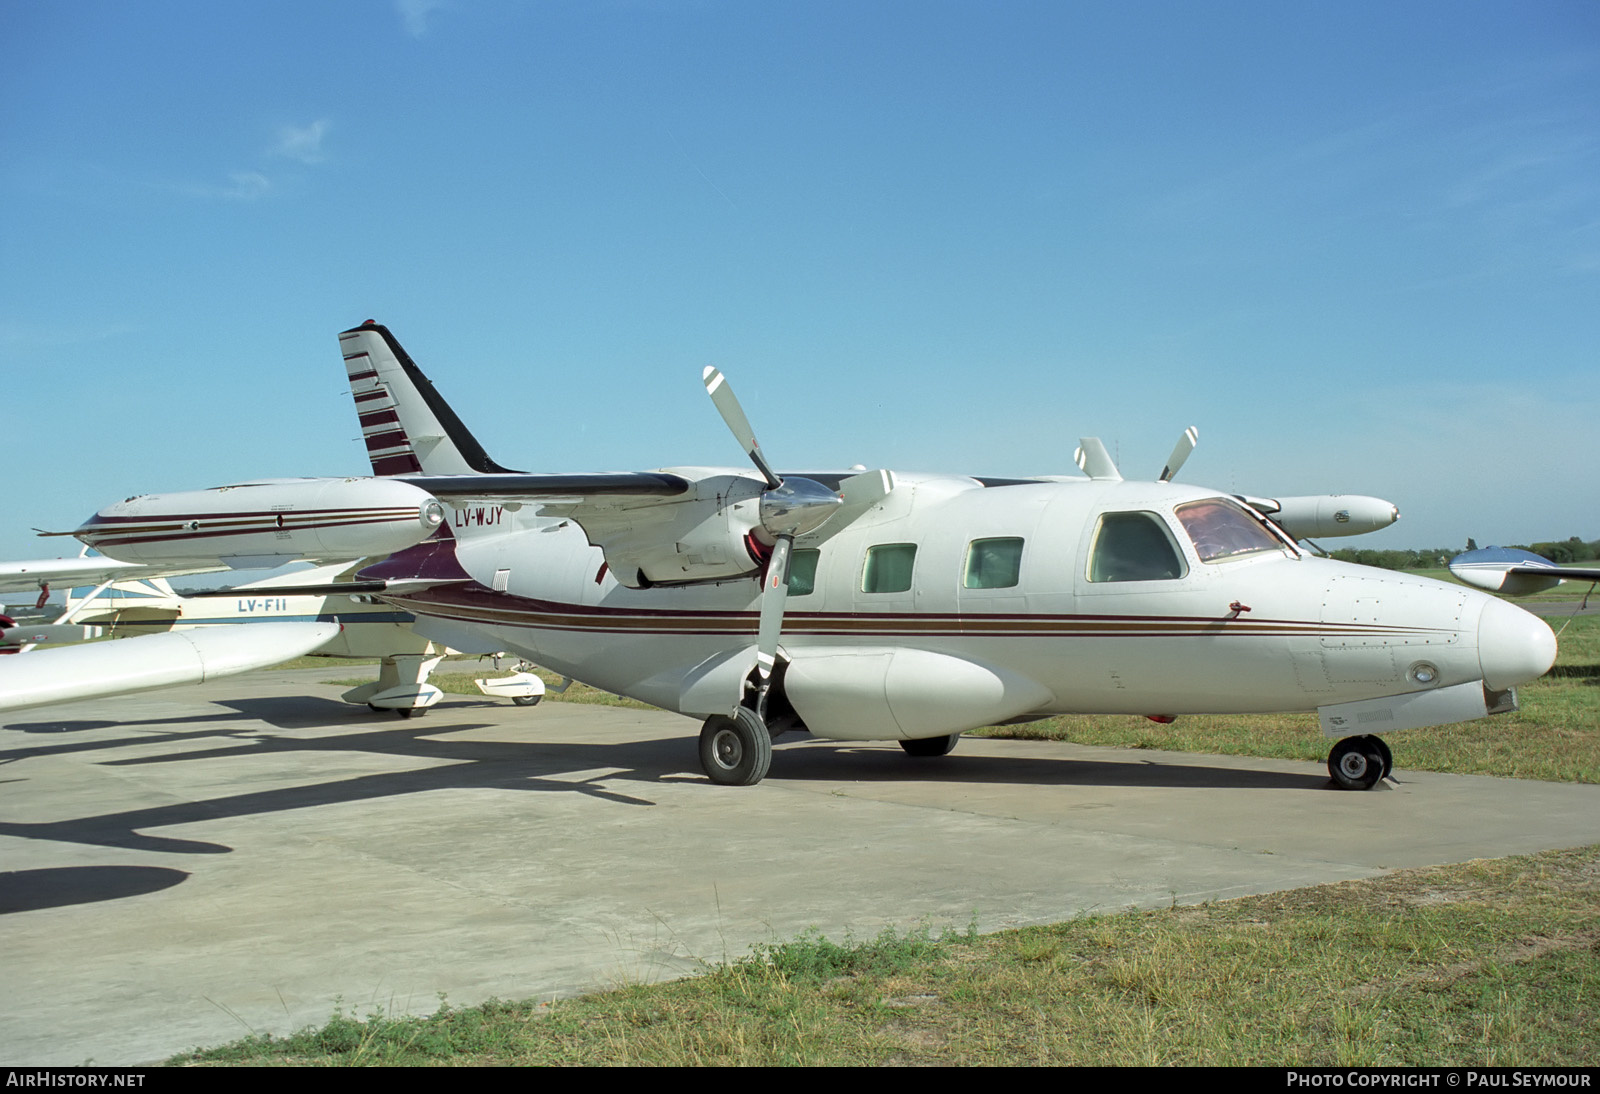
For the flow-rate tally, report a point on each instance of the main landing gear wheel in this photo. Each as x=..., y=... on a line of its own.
x=1358, y=763
x=735, y=751
x=1383, y=750
x=931, y=746
x=526, y=700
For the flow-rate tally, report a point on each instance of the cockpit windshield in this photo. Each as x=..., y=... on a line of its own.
x=1221, y=529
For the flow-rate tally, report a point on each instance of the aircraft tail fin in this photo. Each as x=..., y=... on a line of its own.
x=408, y=427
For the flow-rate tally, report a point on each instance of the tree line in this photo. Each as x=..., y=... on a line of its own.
x=1574, y=549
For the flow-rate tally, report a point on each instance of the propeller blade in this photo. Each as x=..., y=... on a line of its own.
x=727, y=402
x=1180, y=453
x=773, y=596
x=788, y=508
x=1093, y=459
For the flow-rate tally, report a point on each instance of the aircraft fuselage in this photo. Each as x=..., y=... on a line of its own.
x=1052, y=624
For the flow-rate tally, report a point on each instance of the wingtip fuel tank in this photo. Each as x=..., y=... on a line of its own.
x=1325, y=516
x=267, y=523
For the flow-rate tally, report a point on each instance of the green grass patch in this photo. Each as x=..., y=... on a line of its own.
x=316, y=662
x=1490, y=963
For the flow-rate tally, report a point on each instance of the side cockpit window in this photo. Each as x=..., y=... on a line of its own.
x=803, y=571
x=993, y=563
x=1134, y=547
x=888, y=568
x=1221, y=529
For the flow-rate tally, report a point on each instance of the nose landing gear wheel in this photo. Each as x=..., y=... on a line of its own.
x=1358, y=763
x=735, y=751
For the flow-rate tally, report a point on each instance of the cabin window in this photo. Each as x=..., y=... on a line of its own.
x=888, y=568
x=1134, y=547
x=1221, y=529
x=803, y=571
x=993, y=563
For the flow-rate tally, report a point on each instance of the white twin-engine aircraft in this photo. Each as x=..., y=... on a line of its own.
x=879, y=605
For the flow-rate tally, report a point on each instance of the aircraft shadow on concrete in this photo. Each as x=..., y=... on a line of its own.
x=282, y=711
x=61, y=886
x=286, y=712
x=835, y=760
x=457, y=764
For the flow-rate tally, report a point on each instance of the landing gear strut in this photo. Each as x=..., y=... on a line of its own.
x=735, y=751
x=1359, y=763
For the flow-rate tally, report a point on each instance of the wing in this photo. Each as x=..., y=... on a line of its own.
x=1515, y=572
x=654, y=527
x=675, y=526
x=154, y=661
x=39, y=574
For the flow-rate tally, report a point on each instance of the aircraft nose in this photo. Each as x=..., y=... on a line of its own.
x=1514, y=646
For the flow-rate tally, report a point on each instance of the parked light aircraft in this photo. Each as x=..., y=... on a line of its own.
x=1515, y=572
x=130, y=607
x=880, y=605
x=893, y=606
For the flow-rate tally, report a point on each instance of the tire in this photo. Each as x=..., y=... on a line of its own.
x=1356, y=763
x=735, y=751
x=526, y=700
x=1383, y=751
x=931, y=746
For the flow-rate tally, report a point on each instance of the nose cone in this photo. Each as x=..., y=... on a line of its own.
x=1514, y=646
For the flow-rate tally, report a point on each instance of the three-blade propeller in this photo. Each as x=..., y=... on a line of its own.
x=789, y=507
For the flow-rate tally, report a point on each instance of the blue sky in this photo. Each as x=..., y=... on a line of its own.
x=1357, y=244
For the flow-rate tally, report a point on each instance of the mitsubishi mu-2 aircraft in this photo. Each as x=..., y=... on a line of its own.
x=877, y=604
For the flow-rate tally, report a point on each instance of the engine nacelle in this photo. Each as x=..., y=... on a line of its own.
x=713, y=533
x=1323, y=516
x=867, y=693
x=267, y=523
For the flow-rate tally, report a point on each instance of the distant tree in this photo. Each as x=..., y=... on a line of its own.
x=1572, y=549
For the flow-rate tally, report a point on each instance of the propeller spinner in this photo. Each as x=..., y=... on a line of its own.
x=789, y=507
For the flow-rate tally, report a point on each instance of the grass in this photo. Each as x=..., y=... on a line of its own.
x=461, y=683
x=1491, y=963
x=1555, y=736
x=1571, y=592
